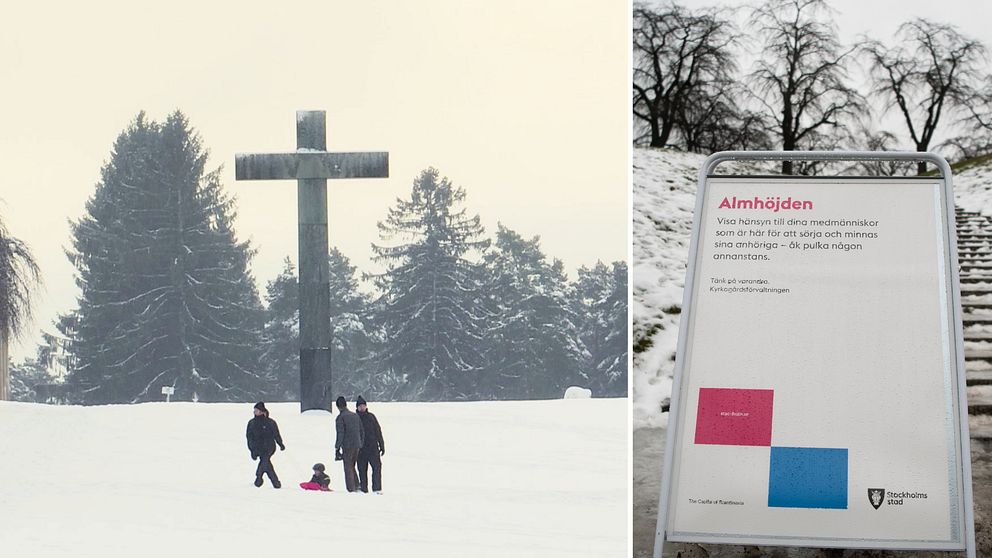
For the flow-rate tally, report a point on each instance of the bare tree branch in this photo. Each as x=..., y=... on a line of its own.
x=677, y=55
x=800, y=78
x=935, y=70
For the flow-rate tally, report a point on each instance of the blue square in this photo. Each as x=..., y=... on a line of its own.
x=808, y=478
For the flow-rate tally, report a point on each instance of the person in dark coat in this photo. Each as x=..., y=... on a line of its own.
x=372, y=448
x=263, y=435
x=348, y=443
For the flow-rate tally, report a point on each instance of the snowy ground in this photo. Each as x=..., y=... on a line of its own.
x=545, y=478
x=664, y=193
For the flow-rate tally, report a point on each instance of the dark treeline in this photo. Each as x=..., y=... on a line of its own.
x=167, y=299
x=690, y=93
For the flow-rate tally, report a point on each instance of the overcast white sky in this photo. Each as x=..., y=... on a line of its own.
x=880, y=18
x=524, y=103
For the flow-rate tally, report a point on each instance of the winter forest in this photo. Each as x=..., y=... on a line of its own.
x=167, y=299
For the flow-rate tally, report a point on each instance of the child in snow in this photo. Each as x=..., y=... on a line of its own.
x=319, y=481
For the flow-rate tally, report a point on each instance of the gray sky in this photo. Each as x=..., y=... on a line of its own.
x=524, y=103
x=879, y=19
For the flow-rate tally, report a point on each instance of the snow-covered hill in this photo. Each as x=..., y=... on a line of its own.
x=544, y=478
x=664, y=193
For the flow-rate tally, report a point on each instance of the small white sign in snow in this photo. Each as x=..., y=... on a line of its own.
x=168, y=390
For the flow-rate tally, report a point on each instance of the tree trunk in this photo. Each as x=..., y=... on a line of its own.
x=666, y=132
x=656, y=133
x=4, y=370
x=788, y=136
x=921, y=166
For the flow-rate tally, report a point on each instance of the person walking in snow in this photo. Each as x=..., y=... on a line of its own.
x=372, y=448
x=348, y=443
x=263, y=435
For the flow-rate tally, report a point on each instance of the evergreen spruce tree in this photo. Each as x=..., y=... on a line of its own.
x=432, y=309
x=349, y=324
x=534, y=345
x=351, y=344
x=602, y=299
x=24, y=376
x=281, y=357
x=167, y=299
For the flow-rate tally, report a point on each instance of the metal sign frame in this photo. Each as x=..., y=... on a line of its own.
x=954, y=315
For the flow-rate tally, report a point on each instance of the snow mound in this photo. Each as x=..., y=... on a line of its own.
x=576, y=392
x=115, y=478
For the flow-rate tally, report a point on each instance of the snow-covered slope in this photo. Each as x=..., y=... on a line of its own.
x=546, y=478
x=664, y=193
x=973, y=189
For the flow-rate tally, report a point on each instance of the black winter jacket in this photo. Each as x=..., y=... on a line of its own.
x=372, y=432
x=322, y=479
x=349, y=430
x=263, y=435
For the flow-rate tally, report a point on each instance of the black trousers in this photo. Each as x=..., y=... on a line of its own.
x=265, y=467
x=368, y=457
x=350, y=478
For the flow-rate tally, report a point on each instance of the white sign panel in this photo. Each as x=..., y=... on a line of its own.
x=817, y=403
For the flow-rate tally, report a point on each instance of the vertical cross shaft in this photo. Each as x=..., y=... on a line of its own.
x=311, y=165
x=315, y=305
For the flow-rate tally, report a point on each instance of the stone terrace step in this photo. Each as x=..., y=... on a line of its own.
x=971, y=279
x=976, y=266
x=975, y=289
x=973, y=355
x=977, y=336
x=979, y=404
x=981, y=436
x=978, y=377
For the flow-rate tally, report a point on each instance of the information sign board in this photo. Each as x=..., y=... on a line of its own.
x=819, y=380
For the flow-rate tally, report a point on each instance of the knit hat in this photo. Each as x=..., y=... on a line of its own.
x=318, y=467
x=360, y=401
x=341, y=402
x=261, y=407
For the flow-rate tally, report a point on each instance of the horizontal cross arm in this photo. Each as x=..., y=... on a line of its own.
x=310, y=164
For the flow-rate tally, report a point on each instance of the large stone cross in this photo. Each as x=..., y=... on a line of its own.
x=311, y=165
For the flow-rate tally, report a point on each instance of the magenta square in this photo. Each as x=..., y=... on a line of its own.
x=734, y=417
